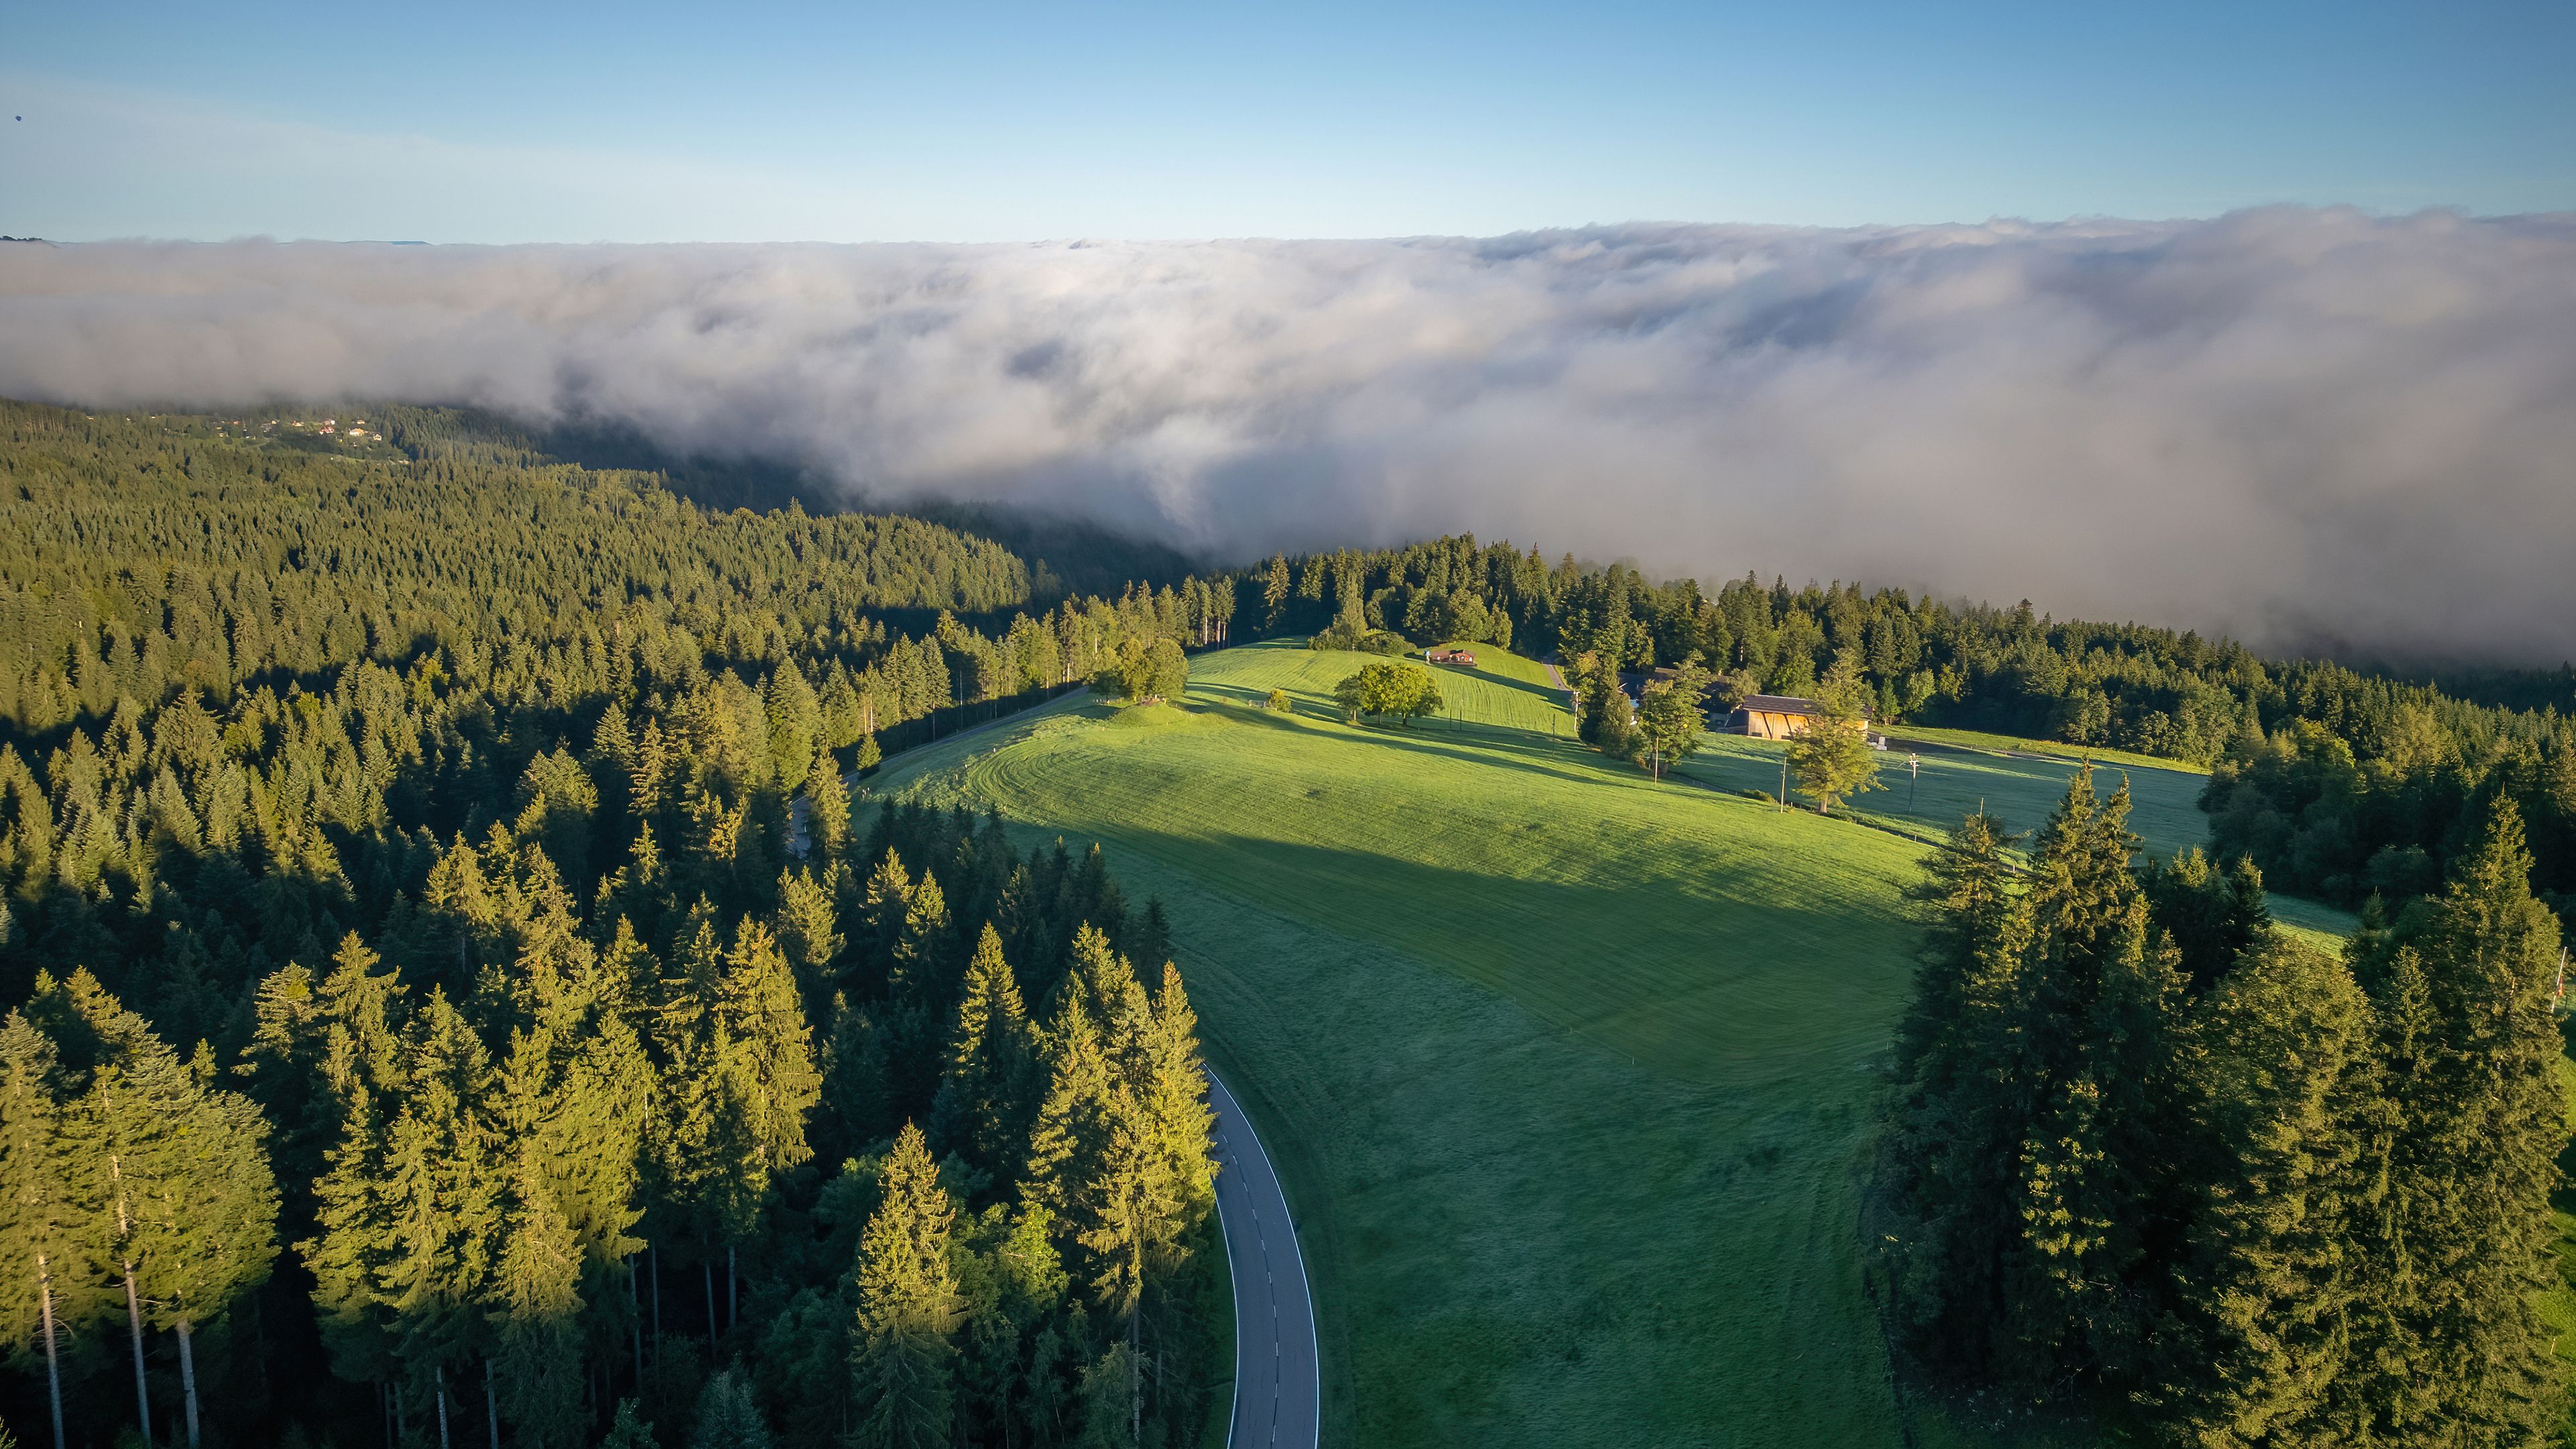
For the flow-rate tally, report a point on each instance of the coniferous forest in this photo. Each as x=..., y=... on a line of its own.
x=452, y=993
x=2149, y=1160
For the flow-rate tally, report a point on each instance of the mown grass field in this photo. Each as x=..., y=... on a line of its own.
x=1570, y=1071
x=2018, y=785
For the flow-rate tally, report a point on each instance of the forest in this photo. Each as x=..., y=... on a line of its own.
x=439, y=941
x=2150, y=1162
x=441, y=945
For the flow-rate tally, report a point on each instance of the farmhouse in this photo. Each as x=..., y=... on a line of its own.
x=1778, y=716
x=1465, y=658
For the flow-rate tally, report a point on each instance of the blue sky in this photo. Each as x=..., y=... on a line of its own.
x=852, y=122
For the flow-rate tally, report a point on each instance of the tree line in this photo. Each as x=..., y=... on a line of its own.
x=2338, y=782
x=2152, y=1162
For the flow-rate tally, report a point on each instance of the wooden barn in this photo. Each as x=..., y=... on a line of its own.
x=1778, y=716
x=1463, y=658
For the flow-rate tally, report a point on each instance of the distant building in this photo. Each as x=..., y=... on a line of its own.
x=1465, y=658
x=1778, y=716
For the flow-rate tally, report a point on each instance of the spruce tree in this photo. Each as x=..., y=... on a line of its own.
x=908, y=1306
x=2473, y=1162
x=2283, y=1072
x=442, y=1202
x=535, y=1317
x=729, y=1415
x=126, y=1128
x=988, y=1078
x=827, y=809
x=209, y=1221
x=48, y=1296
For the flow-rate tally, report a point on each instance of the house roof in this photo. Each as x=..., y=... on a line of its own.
x=1780, y=704
x=1790, y=704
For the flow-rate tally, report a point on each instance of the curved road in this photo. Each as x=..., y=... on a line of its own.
x=1278, y=1383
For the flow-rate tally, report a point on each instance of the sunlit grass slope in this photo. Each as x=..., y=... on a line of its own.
x=1570, y=1070
x=2020, y=787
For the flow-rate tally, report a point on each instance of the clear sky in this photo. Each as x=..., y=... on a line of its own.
x=996, y=122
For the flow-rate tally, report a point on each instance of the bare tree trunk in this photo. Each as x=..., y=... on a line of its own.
x=134, y=1327
x=733, y=1291
x=53, y=1365
x=632, y=1302
x=491, y=1405
x=707, y=1271
x=442, y=1407
x=188, y=1378
x=402, y=1421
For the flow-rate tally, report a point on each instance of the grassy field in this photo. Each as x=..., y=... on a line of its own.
x=1570, y=1070
x=1980, y=740
x=2018, y=787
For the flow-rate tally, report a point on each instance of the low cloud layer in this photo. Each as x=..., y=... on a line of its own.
x=2303, y=427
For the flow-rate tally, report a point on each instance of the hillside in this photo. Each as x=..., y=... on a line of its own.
x=1571, y=1069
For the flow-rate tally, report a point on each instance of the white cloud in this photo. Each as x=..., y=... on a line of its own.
x=2296, y=425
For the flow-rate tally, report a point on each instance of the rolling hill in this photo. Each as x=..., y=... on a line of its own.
x=1570, y=1071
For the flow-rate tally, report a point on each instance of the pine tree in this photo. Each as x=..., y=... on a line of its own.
x=126, y=1129
x=1071, y=1122
x=2472, y=1165
x=767, y=1051
x=629, y=1431
x=989, y=1076
x=209, y=1222
x=41, y=1219
x=827, y=811
x=729, y=1415
x=2283, y=1069
x=885, y=902
x=923, y=968
x=535, y=1315
x=441, y=1201
x=1173, y=1094
x=908, y=1306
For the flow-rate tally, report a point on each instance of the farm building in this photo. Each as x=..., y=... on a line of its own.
x=1465, y=658
x=1777, y=716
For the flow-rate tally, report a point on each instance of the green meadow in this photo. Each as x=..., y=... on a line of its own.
x=1570, y=1071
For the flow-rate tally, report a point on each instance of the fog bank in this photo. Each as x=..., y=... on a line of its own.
x=2303, y=427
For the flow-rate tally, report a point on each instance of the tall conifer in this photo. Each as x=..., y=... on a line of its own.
x=908, y=1306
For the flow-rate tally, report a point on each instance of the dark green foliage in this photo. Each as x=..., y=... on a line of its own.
x=450, y=809
x=2279, y=1200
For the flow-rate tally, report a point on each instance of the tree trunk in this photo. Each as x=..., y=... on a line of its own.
x=657, y=1303
x=53, y=1365
x=402, y=1421
x=631, y=1302
x=491, y=1405
x=1135, y=1375
x=733, y=1291
x=442, y=1407
x=188, y=1378
x=707, y=1271
x=134, y=1327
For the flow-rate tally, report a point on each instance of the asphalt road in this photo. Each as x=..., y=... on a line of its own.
x=1278, y=1383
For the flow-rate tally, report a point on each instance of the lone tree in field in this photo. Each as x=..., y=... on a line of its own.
x=1670, y=720
x=1395, y=691
x=1831, y=759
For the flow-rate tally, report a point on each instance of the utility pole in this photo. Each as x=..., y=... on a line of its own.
x=1914, y=778
x=1784, y=777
